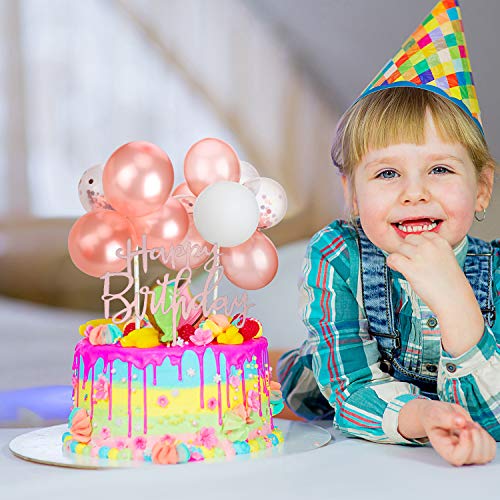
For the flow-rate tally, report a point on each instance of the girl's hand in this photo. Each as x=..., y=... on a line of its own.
x=427, y=261
x=454, y=435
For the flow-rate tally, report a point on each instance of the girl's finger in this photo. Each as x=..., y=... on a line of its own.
x=488, y=445
x=460, y=454
x=479, y=450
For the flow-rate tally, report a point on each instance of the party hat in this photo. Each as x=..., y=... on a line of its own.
x=434, y=58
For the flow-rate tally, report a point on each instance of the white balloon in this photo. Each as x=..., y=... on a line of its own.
x=271, y=199
x=226, y=213
x=247, y=172
x=90, y=189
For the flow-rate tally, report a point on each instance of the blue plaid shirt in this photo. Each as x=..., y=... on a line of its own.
x=336, y=372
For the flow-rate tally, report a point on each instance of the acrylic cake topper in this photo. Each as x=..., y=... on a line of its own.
x=215, y=219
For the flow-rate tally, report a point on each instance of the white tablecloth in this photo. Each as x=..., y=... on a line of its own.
x=349, y=469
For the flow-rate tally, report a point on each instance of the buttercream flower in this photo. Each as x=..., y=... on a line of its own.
x=105, y=432
x=140, y=443
x=212, y=404
x=164, y=452
x=230, y=336
x=253, y=400
x=162, y=401
x=206, y=437
x=234, y=381
x=235, y=424
x=201, y=337
x=101, y=388
x=97, y=335
x=120, y=444
x=85, y=328
x=80, y=425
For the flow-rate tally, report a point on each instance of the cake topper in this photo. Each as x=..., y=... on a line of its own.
x=213, y=219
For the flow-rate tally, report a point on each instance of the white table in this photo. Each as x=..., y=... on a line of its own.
x=349, y=469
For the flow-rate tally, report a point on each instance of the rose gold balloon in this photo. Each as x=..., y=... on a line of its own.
x=94, y=239
x=138, y=178
x=167, y=226
x=209, y=161
x=198, y=254
x=251, y=265
x=182, y=189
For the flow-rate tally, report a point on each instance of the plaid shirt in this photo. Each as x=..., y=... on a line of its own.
x=340, y=360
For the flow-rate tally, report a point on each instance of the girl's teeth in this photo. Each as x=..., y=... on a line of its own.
x=414, y=229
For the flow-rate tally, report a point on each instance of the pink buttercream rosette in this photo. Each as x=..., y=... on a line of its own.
x=165, y=452
x=81, y=426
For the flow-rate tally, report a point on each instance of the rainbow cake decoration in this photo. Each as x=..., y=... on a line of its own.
x=167, y=376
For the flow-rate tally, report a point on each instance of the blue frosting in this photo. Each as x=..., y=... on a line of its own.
x=241, y=447
x=273, y=438
x=71, y=415
x=115, y=333
x=103, y=452
x=65, y=435
x=73, y=445
x=277, y=407
x=183, y=453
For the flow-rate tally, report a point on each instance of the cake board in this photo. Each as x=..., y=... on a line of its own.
x=45, y=446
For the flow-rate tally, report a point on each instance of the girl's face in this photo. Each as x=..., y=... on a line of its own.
x=409, y=188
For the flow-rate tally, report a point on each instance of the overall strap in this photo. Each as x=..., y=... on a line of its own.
x=377, y=296
x=478, y=269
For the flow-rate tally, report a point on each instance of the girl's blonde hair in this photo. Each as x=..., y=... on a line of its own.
x=397, y=115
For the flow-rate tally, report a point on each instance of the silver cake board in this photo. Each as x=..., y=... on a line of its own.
x=44, y=446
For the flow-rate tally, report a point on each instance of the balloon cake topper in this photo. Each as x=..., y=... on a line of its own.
x=214, y=219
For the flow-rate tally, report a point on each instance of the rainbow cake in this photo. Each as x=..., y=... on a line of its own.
x=173, y=404
x=166, y=376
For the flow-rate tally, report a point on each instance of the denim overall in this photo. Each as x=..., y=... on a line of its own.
x=377, y=299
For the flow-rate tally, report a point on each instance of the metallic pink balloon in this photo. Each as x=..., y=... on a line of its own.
x=208, y=161
x=138, y=178
x=198, y=255
x=94, y=239
x=182, y=189
x=251, y=265
x=164, y=227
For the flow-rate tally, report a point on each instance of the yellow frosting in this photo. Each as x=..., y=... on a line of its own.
x=231, y=336
x=142, y=338
x=208, y=324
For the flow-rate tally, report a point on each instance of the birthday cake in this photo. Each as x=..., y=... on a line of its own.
x=173, y=377
x=173, y=404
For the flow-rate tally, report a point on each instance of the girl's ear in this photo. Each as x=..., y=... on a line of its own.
x=349, y=195
x=485, y=187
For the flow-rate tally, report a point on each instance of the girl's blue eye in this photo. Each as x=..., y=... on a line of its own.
x=442, y=167
x=381, y=175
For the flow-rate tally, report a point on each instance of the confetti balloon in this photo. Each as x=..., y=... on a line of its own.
x=271, y=199
x=90, y=189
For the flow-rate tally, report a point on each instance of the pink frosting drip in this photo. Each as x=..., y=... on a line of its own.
x=156, y=356
x=110, y=397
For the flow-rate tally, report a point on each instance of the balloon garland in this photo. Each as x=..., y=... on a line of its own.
x=223, y=204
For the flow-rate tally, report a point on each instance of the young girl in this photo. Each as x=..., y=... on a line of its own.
x=399, y=301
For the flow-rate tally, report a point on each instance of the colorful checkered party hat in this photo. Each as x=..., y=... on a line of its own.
x=434, y=58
